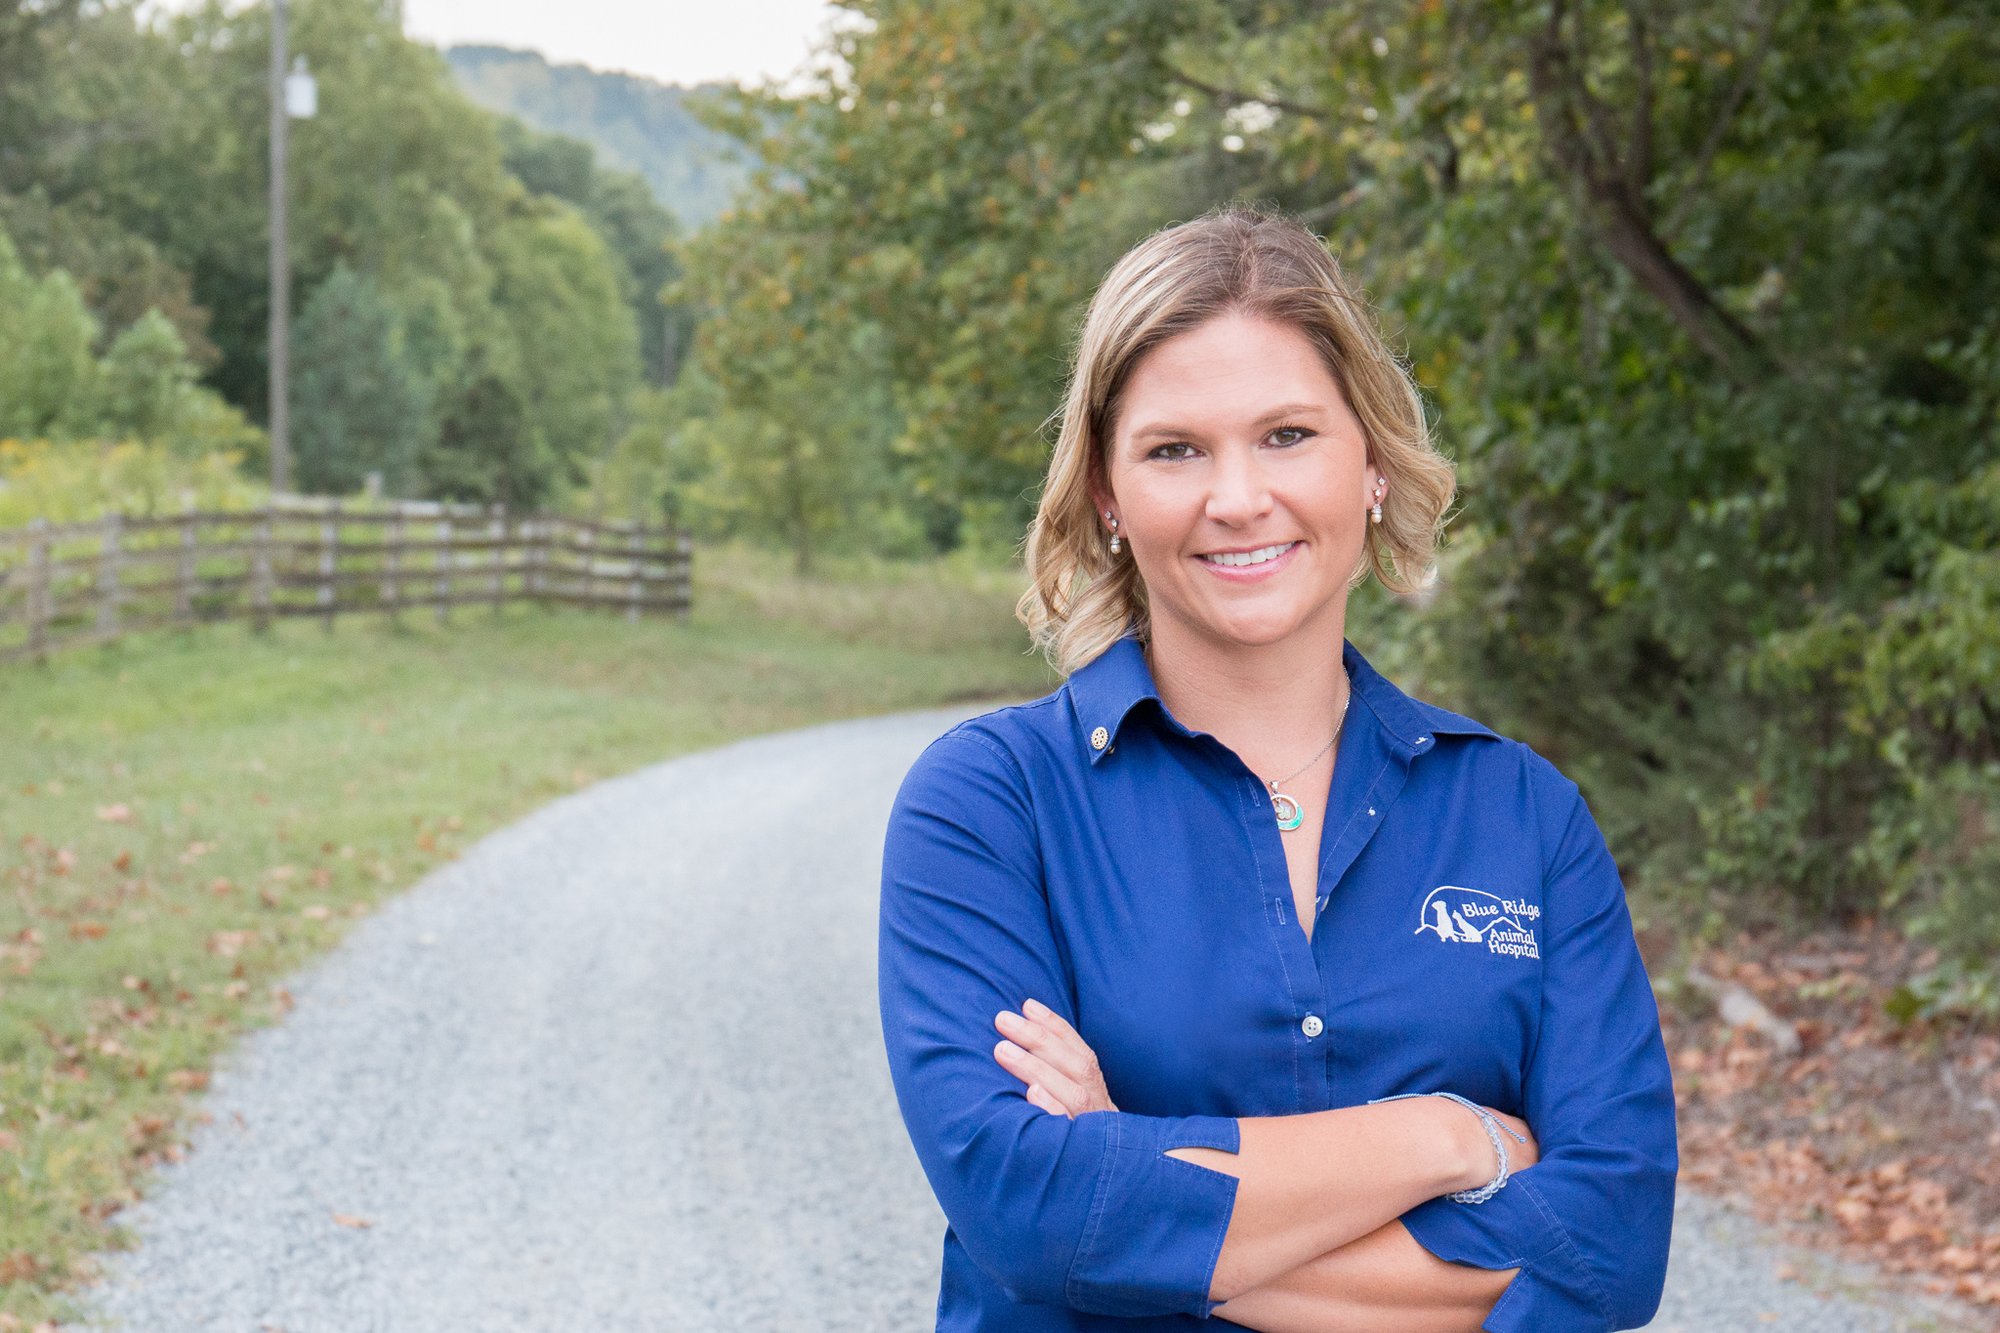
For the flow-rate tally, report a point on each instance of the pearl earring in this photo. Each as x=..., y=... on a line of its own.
x=1115, y=540
x=1375, y=513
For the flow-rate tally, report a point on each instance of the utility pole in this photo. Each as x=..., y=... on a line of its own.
x=294, y=96
x=281, y=264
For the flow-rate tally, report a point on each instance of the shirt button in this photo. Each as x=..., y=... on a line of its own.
x=1312, y=1027
x=1098, y=738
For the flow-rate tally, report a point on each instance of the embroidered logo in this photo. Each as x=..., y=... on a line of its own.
x=1474, y=916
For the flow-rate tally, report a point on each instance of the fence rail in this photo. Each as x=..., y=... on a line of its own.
x=66, y=585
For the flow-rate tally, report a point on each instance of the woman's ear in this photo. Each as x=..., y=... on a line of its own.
x=1100, y=496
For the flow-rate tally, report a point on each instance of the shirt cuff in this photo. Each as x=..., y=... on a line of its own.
x=1553, y=1293
x=1156, y=1222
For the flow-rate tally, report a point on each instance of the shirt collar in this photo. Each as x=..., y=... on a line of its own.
x=1104, y=691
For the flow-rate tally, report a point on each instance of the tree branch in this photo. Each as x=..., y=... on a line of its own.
x=1236, y=97
x=1620, y=217
x=1640, y=36
x=1333, y=207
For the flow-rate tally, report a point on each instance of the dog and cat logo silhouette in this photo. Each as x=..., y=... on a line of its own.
x=1459, y=915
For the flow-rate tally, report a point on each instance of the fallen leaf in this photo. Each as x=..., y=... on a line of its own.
x=228, y=943
x=350, y=1220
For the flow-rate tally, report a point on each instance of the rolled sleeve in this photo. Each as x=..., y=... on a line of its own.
x=1589, y=1223
x=1087, y=1212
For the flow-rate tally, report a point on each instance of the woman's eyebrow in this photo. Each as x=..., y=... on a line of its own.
x=1285, y=410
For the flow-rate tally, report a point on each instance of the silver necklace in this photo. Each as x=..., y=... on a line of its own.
x=1289, y=812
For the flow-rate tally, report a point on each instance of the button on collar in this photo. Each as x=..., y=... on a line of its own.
x=1098, y=737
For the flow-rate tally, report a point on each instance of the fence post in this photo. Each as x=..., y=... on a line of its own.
x=329, y=541
x=444, y=559
x=538, y=536
x=392, y=560
x=260, y=571
x=684, y=579
x=496, y=531
x=107, y=573
x=184, y=568
x=39, y=610
x=635, y=538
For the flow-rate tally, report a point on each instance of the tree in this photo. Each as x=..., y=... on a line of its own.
x=577, y=353
x=361, y=406
x=48, y=378
x=146, y=383
x=636, y=230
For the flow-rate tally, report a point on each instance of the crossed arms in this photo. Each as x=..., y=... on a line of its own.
x=1314, y=1241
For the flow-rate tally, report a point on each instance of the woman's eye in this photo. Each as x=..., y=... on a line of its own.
x=1161, y=453
x=1299, y=431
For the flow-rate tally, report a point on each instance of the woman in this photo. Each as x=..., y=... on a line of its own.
x=1232, y=876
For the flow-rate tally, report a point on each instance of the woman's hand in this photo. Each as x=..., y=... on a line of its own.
x=1045, y=1052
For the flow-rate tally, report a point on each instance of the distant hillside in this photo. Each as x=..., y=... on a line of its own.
x=634, y=123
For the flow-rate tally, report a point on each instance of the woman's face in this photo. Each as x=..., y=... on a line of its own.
x=1233, y=438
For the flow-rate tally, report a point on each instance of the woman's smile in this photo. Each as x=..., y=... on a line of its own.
x=1250, y=565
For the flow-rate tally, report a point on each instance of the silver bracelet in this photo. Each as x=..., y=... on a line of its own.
x=1492, y=1127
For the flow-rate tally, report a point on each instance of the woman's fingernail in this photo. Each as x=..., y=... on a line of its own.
x=1009, y=1048
x=1035, y=1007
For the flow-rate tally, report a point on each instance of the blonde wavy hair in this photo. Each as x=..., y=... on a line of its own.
x=1236, y=258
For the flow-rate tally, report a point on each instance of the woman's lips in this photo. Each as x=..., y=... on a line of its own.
x=1251, y=573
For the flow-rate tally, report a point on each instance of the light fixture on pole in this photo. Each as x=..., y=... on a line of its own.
x=294, y=96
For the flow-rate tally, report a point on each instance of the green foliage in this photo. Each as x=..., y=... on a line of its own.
x=48, y=378
x=53, y=387
x=78, y=481
x=576, y=343
x=121, y=276
x=635, y=228
x=152, y=161
x=361, y=405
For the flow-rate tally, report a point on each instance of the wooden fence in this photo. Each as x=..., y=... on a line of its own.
x=72, y=584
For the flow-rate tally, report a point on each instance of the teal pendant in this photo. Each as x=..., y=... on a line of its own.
x=1289, y=814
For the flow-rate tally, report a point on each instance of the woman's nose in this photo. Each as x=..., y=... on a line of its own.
x=1238, y=489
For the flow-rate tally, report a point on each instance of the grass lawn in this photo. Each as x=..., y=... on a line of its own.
x=186, y=818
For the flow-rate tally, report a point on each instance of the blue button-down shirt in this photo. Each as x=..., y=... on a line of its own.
x=1471, y=936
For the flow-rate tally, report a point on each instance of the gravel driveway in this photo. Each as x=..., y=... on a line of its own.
x=618, y=1068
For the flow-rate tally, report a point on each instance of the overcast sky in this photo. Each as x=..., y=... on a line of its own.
x=675, y=41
